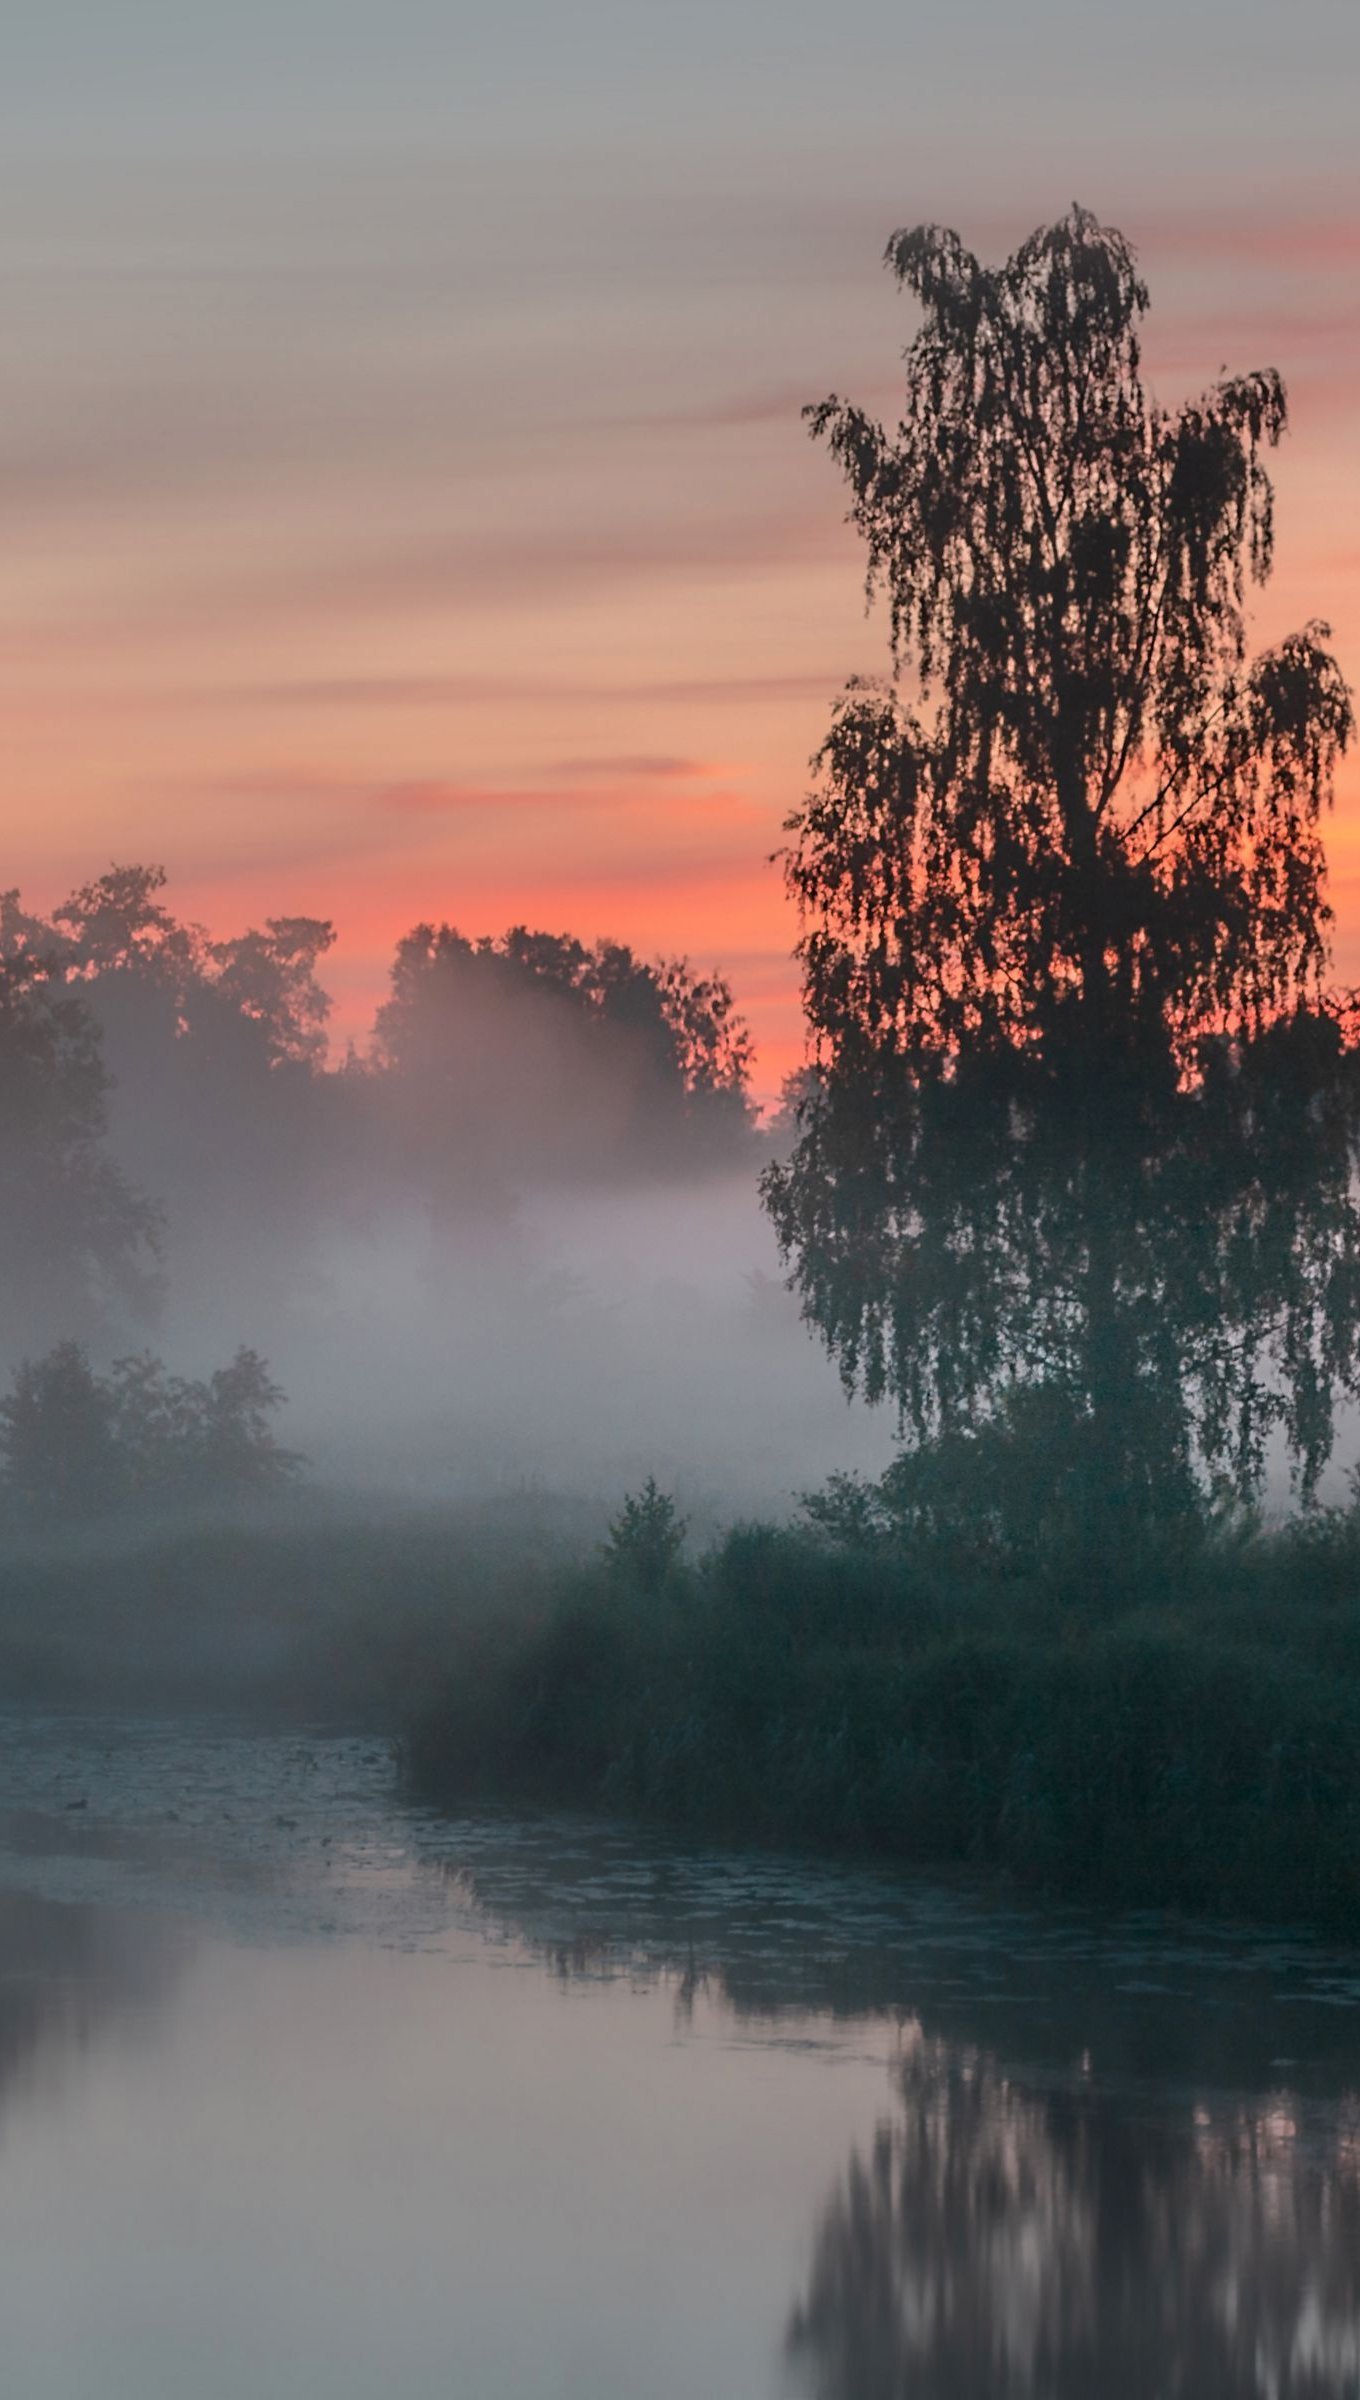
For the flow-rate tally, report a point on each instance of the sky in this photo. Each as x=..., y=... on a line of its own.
x=406, y=507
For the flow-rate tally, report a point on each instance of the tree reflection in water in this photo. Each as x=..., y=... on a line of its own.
x=1004, y=2242
x=71, y=1974
x=1165, y=2223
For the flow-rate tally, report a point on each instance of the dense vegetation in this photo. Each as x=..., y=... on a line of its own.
x=894, y=1675
x=1073, y=1185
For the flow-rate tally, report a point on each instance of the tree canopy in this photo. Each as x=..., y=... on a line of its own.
x=175, y=1128
x=74, y=1233
x=76, y=1444
x=1083, y=1110
x=535, y=1057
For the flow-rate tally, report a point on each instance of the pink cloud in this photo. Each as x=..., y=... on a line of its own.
x=640, y=769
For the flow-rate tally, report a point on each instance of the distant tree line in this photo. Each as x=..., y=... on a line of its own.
x=167, y=1097
x=501, y=1064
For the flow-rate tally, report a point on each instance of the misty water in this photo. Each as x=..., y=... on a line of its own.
x=303, y=2092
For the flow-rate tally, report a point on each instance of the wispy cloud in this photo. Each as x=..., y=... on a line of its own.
x=635, y=768
x=1301, y=241
x=405, y=692
x=291, y=420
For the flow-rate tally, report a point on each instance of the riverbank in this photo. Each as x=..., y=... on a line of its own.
x=1177, y=1727
x=1182, y=1732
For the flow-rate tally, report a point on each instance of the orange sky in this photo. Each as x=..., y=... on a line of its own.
x=389, y=535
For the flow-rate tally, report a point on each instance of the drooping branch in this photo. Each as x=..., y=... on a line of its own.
x=1059, y=873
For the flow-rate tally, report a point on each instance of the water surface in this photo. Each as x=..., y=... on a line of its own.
x=303, y=2092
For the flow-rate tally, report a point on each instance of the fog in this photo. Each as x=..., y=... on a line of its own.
x=514, y=1242
x=596, y=1338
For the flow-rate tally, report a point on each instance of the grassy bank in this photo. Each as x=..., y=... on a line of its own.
x=317, y=1608
x=1182, y=1729
x=1176, y=1725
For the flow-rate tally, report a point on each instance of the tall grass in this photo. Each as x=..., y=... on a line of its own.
x=1184, y=1731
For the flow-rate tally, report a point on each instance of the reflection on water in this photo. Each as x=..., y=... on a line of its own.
x=1145, y=2184
x=69, y=1976
x=999, y=2240
x=304, y=2093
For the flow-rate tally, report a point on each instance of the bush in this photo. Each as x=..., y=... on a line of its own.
x=646, y=1538
x=1187, y=1738
x=77, y=1445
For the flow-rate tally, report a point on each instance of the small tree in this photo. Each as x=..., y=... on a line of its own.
x=189, y=1440
x=59, y=1452
x=646, y=1538
x=238, y=1449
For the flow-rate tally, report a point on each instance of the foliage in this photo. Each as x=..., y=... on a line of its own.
x=1085, y=1117
x=72, y=1230
x=211, y=1053
x=646, y=1538
x=1188, y=1734
x=711, y=1045
x=564, y=1061
x=59, y=1452
x=269, y=978
x=118, y=927
x=76, y=1445
x=799, y=1093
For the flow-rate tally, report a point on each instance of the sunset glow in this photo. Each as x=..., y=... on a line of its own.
x=423, y=525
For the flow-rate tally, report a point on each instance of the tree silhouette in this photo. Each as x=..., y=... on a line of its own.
x=1084, y=1114
x=535, y=1058
x=73, y=1233
x=59, y=1452
x=117, y=935
x=214, y=1051
x=76, y=1444
x=269, y=979
x=646, y=1538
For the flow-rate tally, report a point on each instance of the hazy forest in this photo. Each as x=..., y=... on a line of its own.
x=952, y=1462
x=191, y=1169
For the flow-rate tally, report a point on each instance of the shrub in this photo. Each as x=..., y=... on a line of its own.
x=646, y=1538
x=75, y=1444
x=1188, y=1736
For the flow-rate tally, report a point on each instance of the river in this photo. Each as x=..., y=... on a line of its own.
x=304, y=2092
